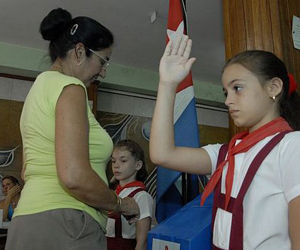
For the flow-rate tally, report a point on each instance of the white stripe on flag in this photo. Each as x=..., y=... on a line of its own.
x=182, y=100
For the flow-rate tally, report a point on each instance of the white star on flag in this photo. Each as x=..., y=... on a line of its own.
x=173, y=34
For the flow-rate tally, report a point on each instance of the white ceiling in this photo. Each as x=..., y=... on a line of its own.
x=139, y=43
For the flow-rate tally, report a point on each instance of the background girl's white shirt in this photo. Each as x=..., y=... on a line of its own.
x=276, y=183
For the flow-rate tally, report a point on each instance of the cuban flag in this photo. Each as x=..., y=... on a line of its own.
x=169, y=189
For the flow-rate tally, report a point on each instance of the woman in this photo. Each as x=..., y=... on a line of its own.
x=256, y=179
x=11, y=189
x=65, y=195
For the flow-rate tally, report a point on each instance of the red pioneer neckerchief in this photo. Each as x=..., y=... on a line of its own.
x=248, y=140
x=131, y=184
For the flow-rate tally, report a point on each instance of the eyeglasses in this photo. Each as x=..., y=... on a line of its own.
x=104, y=63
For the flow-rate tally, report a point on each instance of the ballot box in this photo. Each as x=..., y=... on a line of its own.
x=188, y=229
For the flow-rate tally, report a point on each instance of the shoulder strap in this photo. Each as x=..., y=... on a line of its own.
x=221, y=157
x=222, y=153
x=134, y=192
x=254, y=166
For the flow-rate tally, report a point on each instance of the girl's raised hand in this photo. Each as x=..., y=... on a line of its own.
x=175, y=63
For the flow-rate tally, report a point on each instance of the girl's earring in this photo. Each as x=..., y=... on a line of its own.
x=274, y=97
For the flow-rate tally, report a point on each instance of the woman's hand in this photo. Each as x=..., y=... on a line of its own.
x=175, y=63
x=130, y=209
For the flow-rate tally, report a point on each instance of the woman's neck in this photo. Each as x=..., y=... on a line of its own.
x=57, y=66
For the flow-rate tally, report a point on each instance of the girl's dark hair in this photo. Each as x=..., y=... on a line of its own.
x=12, y=178
x=64, y=33
x=265, y=65
x=138, y=153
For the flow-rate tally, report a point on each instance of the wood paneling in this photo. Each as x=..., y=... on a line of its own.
x=10, y=136
x=261, y=24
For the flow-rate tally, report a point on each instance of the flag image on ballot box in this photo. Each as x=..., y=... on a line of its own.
x=169, y=189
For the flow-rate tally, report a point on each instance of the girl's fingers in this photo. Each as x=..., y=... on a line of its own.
x=168, y=49
x=182, y=45
x=177, y=43
x=188, y=48
x=190, y=63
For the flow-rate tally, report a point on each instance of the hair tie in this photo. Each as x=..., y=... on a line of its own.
x=292, y=84
x=73, y=29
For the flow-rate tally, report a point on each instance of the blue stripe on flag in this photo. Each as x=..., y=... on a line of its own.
x=186, y=134
x=186, y=127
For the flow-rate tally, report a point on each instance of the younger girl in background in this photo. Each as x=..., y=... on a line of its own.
x=12, y=190
x=128, y=167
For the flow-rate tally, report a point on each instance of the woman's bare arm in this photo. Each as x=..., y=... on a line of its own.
x=72, y=154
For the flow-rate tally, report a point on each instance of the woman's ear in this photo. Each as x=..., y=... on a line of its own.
x=80, y=54
x=139, y=165
x=274, y=87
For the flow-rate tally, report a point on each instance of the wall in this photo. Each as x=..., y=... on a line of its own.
x=213, y=122
x=130, y=118
x=12, y=95
x=25, y=61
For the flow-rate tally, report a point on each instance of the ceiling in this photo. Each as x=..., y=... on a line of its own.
x=139, y=43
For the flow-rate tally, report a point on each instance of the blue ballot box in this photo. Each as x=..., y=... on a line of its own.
x=188, y=229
